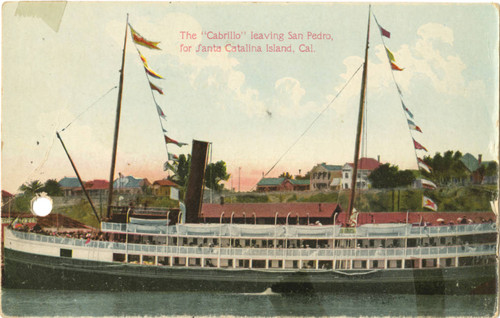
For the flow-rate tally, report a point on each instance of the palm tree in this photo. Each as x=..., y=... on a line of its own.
x=32, y=187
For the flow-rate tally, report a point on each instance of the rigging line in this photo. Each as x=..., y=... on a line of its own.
x=154, y=100
x=315, y=119
x=93, y=104
x=398, y=89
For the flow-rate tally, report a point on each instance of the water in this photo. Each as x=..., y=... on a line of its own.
x=16, y=302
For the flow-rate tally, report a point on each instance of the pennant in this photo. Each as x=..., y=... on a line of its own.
x=160, y=112
x=156, y=88
x=390, y=55
x=429, y=204
x=163, y=130
x=152, y=73
x=384, y=32
x=138, y=39
x=399, y=90
x=412, y=125
x=424, y=166
x=172, y=157
x=168, y=166
x=172, y=141
x=406, y=109
x=395, y=67
x=418, y=146
x=428, y=184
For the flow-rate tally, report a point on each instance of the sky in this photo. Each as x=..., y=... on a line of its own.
x=256, y=108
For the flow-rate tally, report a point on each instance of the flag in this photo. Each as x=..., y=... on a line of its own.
x=395, y=67
x=152, y=73
x=168, y=166
x=160, y=112
x=390, y=55
x=399, y=90
x=428, y=184
x=428, y=203
x=164, y=130
x=138, y=39
x=406, y=109
x=156, y=88
x=172, y=157
x=384, y=32
x=174, y=193
x=423, y=165
x=412, y=125
x=172, y=141
x=418, y=146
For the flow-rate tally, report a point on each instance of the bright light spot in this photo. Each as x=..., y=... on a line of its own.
x=41, y=206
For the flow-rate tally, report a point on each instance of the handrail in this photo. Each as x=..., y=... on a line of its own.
x=325, y=253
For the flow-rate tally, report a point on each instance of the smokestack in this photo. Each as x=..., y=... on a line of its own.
x=480, y=159
x=378, y=158
x=194, y=193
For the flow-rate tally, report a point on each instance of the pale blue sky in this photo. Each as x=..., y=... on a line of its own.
x=450, y=83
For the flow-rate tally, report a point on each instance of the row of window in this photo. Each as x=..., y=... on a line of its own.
x=304, y=264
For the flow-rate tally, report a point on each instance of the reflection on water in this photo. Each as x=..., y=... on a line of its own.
x=82, y=303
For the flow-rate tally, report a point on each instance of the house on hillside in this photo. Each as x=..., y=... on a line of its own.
x=325, y=176
x=163, y=187
x=70, y=186
x=365, y=168
x=282, y=184
x=97, y=187
x=477, y=170
x=130, y=185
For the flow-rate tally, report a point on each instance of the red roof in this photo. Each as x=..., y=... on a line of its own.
x=165, y=183
x=6, y=194
x=366, y=164
x=268, y=210
x=416, y=217
x=97, y=184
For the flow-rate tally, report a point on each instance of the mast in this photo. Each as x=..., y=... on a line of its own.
x=117, y=125
x=360, y=124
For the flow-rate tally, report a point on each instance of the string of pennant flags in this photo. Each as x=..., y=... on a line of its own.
x=426, y=202
x=172, y=159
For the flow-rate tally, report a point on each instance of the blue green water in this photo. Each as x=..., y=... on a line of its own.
x=16, y=302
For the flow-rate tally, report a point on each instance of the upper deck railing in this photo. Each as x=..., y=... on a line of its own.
x=259, y=253
x=298, y=231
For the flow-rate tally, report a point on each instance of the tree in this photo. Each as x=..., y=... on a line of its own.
x=286, y=175
x=307, y=176
x=181, y=176
x=215, y=173
x=30, y=188
x=389, y=176
x=52, y=188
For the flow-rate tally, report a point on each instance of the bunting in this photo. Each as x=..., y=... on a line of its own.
x=390, y=55
x=412, y=125
x=168, y=166
x=395, y=67
x=172, y=157
x=172, y=141
x=160, y=112
x=423, y=165
x=140, y=40
x=428, y=184
x=418, y=146
x=407, y=110
x=429, y=204
x=156, y=88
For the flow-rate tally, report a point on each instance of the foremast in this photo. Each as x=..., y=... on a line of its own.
x=117, y=125
x=360, y=125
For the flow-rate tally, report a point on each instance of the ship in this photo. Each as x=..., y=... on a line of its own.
x=160, y=249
